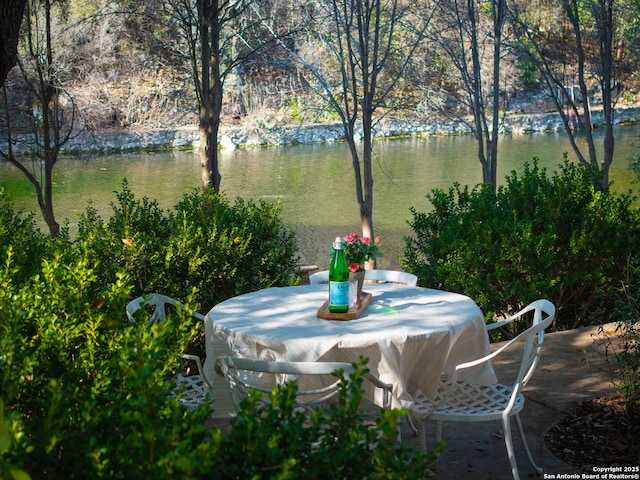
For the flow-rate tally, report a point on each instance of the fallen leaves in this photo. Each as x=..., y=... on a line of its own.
x=598, y=432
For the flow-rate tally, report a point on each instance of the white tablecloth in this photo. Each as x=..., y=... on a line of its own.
x=409, y=334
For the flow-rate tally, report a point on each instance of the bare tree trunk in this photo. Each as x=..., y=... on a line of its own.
x=369, y=34
x=475, y=91
x=461, y=34
x=366, y=40
x=211, y=92
x=498, y=12
x=366, y=206
x=50, y=128
x=572, y=9
x=592, y=58
x=604, y=19
x=11, y=14
x=213, y=56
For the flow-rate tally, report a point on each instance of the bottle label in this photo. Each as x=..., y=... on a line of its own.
x=339, y=294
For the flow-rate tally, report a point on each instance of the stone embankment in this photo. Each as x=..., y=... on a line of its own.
x=230, y=138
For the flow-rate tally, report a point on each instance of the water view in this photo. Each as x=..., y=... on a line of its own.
x=312, y=183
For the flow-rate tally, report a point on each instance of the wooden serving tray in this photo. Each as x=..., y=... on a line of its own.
x=353, y=313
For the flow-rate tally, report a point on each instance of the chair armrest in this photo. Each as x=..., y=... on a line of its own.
x=508, y=320
x=530, y=332
x=501, y=323
x=198, y=362
x=387, y=389
x=480, y=361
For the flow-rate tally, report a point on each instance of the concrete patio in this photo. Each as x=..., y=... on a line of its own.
x=573, y=367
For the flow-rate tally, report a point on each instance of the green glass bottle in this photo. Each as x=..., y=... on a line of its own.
x=338, y=279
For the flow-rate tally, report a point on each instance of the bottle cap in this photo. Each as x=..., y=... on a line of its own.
x=337, y=243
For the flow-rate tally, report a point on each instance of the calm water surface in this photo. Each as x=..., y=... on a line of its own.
x=312, y=183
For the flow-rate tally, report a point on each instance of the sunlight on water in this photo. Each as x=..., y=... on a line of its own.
x=312, y=183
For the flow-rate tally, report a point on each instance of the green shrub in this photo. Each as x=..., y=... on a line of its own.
x=277, y=440
x=18, y=233
x=222, y=250
x=85, y=394
x=561, y=237
x=228, y=249
x=623, y=352
x=131, y=241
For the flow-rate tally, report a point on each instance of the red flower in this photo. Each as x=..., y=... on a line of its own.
x=359, y=250
x=354, y=267
x=352, y=237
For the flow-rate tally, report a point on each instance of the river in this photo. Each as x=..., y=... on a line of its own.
x=313, y=183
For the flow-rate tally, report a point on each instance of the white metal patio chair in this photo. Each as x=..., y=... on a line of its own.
x=241, y=377
x=196, y=386
x=373, y=276
x=319, y=277
x=460, y=400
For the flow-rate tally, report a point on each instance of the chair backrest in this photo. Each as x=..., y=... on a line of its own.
x=531, y=341
x=157, y=303
x=381, y=276
x=319, y=277
x=244, y=374
x=390, y=276
x=543, y=314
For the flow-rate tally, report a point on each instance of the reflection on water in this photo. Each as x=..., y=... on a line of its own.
x=312, y=183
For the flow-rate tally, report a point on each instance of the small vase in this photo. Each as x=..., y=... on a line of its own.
x=357, y=277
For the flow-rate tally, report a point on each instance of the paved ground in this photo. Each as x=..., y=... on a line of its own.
x=573, y=367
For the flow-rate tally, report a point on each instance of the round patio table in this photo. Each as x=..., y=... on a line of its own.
x=411, y=335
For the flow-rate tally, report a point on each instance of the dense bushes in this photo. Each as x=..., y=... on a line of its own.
x=334, y=442
x=221, y=249
x=20, y=230
x=85, y=394
x=560, y=237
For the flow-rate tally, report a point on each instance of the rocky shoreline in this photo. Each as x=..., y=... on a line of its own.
x=231, y=138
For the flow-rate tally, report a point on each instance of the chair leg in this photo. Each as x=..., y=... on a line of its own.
x=411, y=424
x=526, y=445
x=423, y=442
x=506, y=424
x=438, y=431
x=423, y=435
